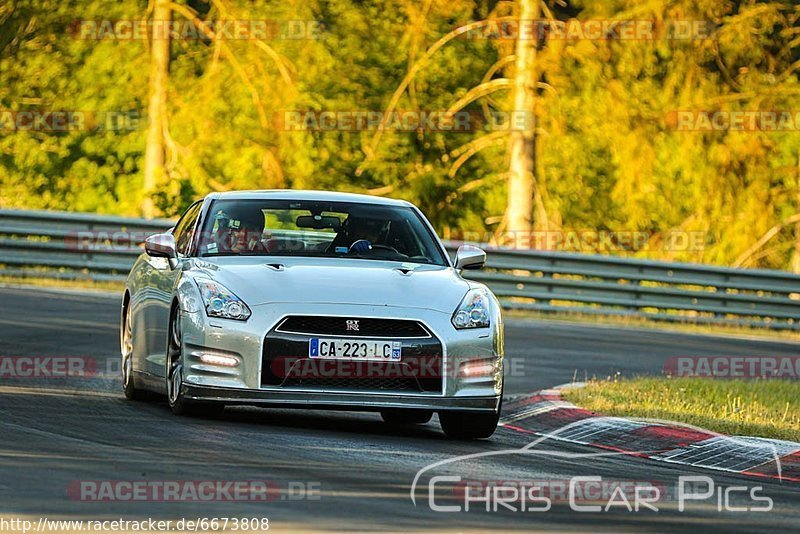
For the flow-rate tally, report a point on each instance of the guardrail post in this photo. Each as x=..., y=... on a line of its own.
x=636, y=293
x=90, y=246
x=724, y=302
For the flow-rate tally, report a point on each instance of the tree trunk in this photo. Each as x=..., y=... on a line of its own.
x=157, y=105
x=796, y=255
x=521, y=182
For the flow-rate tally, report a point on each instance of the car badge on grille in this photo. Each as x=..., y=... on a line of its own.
x=352, y=324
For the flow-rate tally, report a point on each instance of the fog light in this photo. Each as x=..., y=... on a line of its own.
x=477, y=368
x=218, y=359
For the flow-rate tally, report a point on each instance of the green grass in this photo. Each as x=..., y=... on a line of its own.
x=762, y=408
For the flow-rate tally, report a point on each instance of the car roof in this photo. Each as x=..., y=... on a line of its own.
x=299, y=194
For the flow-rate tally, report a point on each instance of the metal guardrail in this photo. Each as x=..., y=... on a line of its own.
x=680, y=292
x=65, y=245
x=78, y=245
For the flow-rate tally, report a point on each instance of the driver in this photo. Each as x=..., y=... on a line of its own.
x=239, y=230
x=364, y=232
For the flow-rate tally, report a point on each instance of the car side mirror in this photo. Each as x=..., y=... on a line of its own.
x=162, y=246
x=470, y=257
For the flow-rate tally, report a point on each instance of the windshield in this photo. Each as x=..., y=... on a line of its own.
x=318, y=229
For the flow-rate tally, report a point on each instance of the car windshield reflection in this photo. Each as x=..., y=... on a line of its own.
x=318, y=229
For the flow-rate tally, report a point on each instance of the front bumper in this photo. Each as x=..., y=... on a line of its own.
x=245, y=341
x=338, y=401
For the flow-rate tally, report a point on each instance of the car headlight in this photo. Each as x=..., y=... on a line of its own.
x=473, y=312
x=221, y=301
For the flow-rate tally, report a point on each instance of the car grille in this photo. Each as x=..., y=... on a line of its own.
x=367, y=327
x=285, y=360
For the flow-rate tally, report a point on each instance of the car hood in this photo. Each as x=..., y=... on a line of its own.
x=264, y=280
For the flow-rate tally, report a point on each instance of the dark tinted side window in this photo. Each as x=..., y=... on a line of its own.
x=183, y=230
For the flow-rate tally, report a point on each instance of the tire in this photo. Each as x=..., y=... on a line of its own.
x=467, y=425
x=406, y=416
x=174, y=375
x=128, y=384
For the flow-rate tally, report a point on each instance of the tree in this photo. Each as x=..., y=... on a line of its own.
x=796, y=256
x=603, y=155
x=522, y=142
x=157, y=104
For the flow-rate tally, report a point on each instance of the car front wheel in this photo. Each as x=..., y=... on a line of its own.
x=174, y=366
x=174, y=375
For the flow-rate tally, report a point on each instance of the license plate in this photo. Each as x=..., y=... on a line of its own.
x=354, y=349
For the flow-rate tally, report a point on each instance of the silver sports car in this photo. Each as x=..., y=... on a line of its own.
x=313, y=299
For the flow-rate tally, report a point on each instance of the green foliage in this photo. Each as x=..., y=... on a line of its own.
x=608, y=157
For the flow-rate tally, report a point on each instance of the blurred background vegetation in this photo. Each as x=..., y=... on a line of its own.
x=604, y=155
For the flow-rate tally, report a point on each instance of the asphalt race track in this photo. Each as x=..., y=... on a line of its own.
x=56, y=432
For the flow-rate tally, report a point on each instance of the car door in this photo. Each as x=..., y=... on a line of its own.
x=162, y=282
